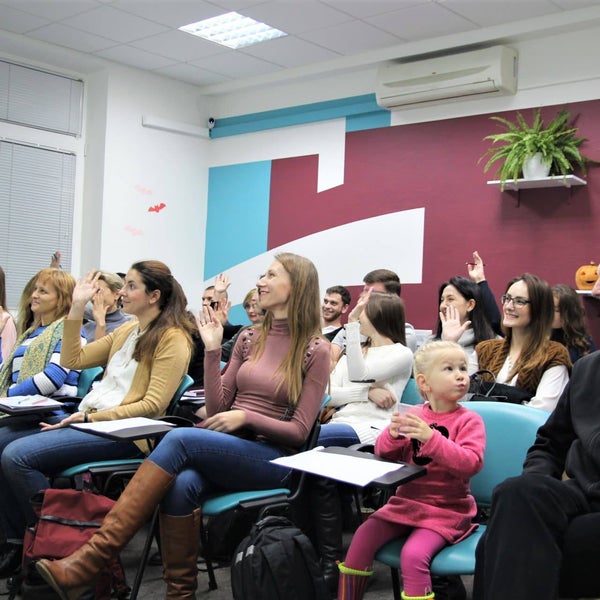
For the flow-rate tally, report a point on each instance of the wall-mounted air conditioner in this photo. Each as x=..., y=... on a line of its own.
x=490, y=71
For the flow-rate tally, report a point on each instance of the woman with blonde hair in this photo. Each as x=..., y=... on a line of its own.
x=526, y=358
x=263, y=407
x=33, y=367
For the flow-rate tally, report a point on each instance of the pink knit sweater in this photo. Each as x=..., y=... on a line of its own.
x=252, y=386
x=441, y=500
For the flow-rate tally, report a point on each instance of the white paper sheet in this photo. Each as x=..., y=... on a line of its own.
x=35, y=400
x=355, y=470
x=119, y=424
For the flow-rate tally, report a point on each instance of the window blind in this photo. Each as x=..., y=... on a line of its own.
x=39, y=99
x=36, y=207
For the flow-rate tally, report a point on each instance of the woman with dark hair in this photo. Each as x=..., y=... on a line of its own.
x=8, y=330
x=144, y=363
x=365, y=388
x=527, y=358
x=568, y=327
x=368, y=380
x=462, y=316
x=262, y=407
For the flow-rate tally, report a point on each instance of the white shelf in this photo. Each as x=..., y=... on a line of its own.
x=546, y=182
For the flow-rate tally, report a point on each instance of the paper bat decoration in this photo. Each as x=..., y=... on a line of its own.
x=142, y=190
x=133, y=230
x=157, y=207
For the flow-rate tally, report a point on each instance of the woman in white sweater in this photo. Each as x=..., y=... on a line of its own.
x=368, y=380
x=365, y=388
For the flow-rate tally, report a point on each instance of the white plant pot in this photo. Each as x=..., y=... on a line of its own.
x=535, y=168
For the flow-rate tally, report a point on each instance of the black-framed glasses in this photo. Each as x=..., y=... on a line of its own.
x=517, y=301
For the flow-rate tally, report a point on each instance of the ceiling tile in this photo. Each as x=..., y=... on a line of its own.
x=368, y=8
x=179, y=45
x=172, y=13
x=574, y=4
x=235, y=64
x=351, y=38
x=18, y=21
x=191, y=74
x=424, y=21
x=290, y=51
x=59, y=34
x=486, y=13
x=114, y=24
x=295, y=17
x=53, y=11
x=134, y=57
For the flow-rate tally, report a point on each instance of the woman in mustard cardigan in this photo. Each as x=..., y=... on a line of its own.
x=526, y=358
x=144, y=360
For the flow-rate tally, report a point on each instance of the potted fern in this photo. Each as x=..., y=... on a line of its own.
x=554, y=145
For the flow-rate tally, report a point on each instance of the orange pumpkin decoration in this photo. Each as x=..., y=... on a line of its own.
x=586, y=276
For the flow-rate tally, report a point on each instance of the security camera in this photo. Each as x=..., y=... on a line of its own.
x=211, y=123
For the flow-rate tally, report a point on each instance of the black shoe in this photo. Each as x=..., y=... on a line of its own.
x=10, y=560
x=155, y=559
x=448, y=587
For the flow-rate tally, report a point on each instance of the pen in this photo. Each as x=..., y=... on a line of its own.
x=375, y=428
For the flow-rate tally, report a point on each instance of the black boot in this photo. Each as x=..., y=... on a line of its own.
x=327, y=527
x=10, y=559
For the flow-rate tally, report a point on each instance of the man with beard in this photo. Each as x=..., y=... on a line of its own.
x=335, y=304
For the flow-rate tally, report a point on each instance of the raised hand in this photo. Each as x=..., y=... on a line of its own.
x=221, y=285
x=86, y=288
x=222, y=310
x=475, y=268
x=210, y=328
x=363, y=300
x=452, y=328
x=99, y=308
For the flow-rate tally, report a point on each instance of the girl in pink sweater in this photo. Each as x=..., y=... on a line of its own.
x=437, y=509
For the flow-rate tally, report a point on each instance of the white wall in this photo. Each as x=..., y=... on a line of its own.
x=554, y=67
x=144, y=167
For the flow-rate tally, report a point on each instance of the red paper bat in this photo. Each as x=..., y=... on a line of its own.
x=157, y=207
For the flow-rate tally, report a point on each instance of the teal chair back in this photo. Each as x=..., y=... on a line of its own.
x=411, y=394
x=186, y=383
x=510, y=431
x=86, y=378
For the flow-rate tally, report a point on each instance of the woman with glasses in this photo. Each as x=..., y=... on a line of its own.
x=526, y=358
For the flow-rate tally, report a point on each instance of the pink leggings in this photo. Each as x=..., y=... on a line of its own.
x=415, y=556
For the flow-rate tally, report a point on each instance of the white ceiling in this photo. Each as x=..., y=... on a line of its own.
x=144, y=33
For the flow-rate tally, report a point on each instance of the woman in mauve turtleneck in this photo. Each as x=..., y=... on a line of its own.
x=261, y=408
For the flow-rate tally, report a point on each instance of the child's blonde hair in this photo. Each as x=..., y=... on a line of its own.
x=429, y=354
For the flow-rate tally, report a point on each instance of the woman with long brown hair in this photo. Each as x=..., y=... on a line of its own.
x=526, y=358
x=261, y=408
x=144, y=363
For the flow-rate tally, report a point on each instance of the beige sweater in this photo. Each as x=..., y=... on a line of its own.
x=154, y=383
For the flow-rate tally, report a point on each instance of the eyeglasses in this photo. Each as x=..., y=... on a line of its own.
x=517, y=302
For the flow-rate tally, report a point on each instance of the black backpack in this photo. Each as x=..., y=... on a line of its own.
x=276, y=562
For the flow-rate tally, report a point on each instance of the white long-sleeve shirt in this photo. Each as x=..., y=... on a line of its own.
x=382, y=366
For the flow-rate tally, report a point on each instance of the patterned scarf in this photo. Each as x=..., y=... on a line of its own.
x=36, y=357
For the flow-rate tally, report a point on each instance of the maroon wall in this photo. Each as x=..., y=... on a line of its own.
x=550, y=232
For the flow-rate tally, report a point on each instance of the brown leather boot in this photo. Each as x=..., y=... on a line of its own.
x=179, y=543
x=73, y=575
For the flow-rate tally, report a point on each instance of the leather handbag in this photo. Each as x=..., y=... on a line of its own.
x=484, y=387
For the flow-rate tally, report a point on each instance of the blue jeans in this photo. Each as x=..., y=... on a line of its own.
x=337, y=434
x=30, y=455
x=209, y=462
